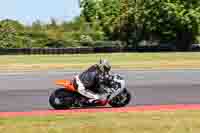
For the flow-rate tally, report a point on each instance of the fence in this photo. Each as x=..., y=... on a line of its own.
x=82, y=50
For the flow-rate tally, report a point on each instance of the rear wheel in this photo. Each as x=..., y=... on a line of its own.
x=121, y=99
x=61, y=99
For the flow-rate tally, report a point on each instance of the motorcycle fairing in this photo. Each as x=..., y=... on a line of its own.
x=67, y=84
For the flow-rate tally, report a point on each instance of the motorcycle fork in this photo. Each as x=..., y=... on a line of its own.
x=117, y=92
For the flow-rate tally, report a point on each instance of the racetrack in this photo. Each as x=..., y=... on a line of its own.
x=30, y=91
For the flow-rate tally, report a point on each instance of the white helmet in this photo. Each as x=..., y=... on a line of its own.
x=104, y=65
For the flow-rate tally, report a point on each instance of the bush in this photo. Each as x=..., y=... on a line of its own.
x=198, y=40
x=83, y=36
x=63, y=44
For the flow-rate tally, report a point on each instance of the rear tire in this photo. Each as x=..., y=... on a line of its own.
x=121, y=100
x=61, y=99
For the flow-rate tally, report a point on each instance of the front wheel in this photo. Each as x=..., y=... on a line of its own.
x=61, y=99
x=121, y=99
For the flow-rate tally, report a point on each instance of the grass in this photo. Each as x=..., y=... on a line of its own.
x=118, y=61
x=138, y=122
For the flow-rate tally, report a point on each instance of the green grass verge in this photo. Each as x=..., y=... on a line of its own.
x=118, y=61
x=138, y=122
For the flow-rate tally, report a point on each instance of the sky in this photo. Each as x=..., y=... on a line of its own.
x=27, y=11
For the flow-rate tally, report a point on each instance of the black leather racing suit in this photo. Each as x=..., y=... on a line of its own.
x=93, y=78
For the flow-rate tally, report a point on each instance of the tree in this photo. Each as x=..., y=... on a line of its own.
x=36, y=26
x=15, y=25
x=135, y=20
x=10, y=34
x=90, y=8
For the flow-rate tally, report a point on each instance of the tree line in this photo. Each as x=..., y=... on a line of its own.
x=130, y=23
x=75, y=33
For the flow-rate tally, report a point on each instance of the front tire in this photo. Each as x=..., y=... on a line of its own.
x=61, y=99
x=121, y=99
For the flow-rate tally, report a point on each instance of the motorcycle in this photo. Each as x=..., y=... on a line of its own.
x=68, y=97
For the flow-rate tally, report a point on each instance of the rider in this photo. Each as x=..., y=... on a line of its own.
x=95, y=75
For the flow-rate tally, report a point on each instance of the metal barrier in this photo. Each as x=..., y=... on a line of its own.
x=83, y=50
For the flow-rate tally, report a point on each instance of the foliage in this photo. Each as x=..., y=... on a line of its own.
x=39, y=35
x=132, y=22
x=135, y=20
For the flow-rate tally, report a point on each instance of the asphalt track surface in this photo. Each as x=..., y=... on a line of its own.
x=30, y=91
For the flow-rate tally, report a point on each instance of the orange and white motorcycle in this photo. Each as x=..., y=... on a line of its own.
x=68, y=97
